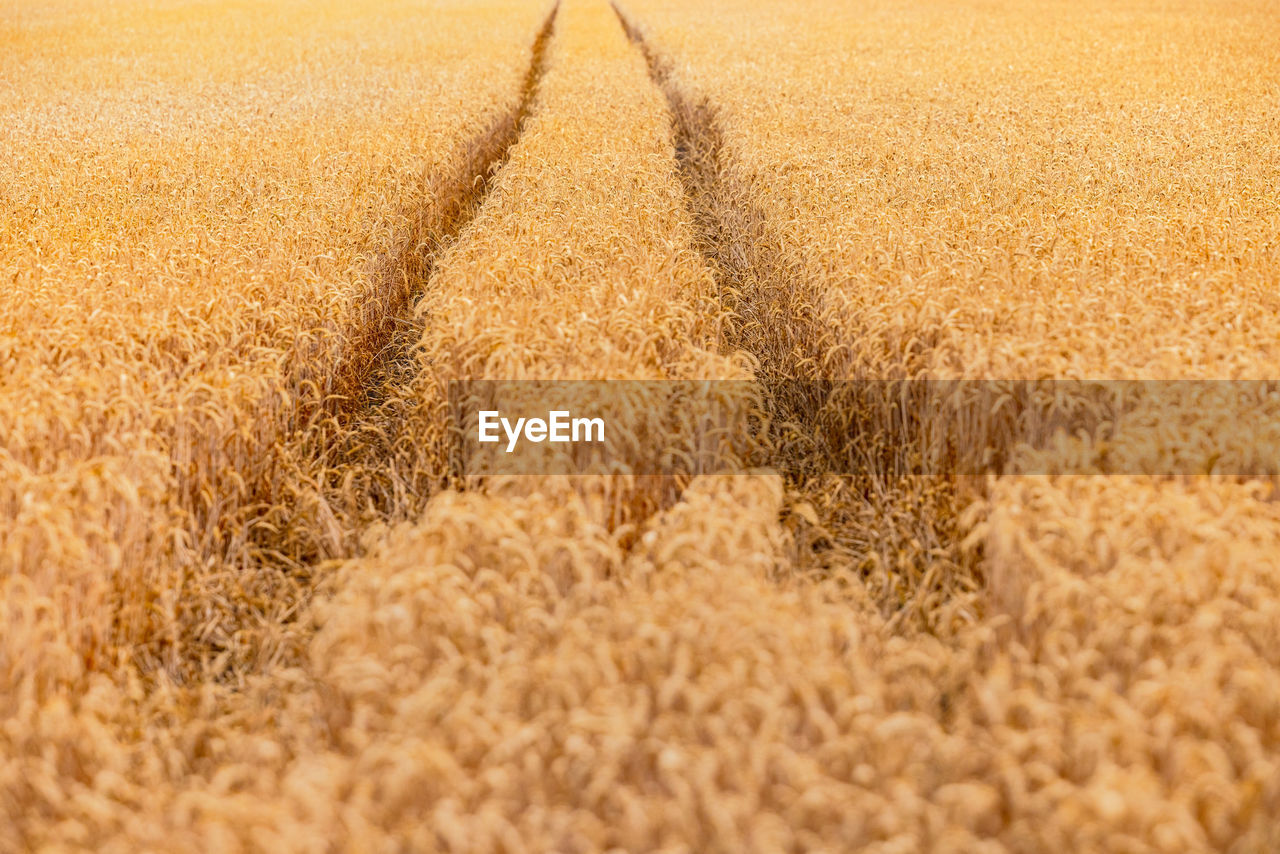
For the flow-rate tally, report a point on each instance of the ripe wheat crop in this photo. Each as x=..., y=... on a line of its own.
x=202, y=252
x=254, y=257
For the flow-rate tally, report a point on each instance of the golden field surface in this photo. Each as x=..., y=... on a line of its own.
x=246, y=248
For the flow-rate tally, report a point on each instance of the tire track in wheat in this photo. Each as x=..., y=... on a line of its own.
x=355, y=461
x=841, y=445
x=364, y=465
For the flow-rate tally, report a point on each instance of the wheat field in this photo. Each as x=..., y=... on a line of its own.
x=948, y=583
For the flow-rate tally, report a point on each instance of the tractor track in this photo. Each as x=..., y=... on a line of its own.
x=370, y=435
x=351, y=462
x=839, y=446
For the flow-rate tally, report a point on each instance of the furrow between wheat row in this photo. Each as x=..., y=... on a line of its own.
x=845, y=447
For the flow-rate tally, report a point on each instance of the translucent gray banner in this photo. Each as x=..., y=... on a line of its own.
x=904, y=427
